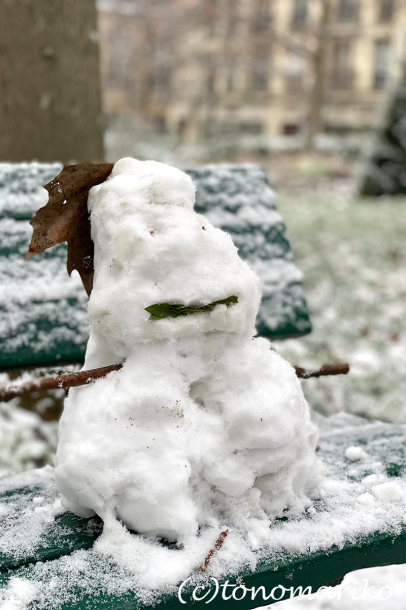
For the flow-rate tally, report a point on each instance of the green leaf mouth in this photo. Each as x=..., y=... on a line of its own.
x=173, y=310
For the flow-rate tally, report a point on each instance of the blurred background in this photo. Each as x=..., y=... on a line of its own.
x=311, y=90
x=314, y=91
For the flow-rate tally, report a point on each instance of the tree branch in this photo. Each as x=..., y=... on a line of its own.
x=72, y=380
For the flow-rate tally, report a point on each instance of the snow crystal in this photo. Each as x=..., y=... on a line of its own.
x=25, y=519
x=202, y=424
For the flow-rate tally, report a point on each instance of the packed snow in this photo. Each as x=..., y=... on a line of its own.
x=203, y=425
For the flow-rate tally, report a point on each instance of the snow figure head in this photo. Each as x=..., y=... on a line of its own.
x=157, y=183
x=204, y=424
x=151, y=247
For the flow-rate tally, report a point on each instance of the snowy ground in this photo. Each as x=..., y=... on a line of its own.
x=352, y=254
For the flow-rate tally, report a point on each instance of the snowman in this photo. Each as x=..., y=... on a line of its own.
x=203, y=423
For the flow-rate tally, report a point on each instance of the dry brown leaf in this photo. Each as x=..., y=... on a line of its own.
x=65, y=217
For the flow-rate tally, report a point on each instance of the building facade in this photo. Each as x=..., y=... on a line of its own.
x=196, y=68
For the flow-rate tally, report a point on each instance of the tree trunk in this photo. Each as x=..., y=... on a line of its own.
x=50, y=102
x=318, y=66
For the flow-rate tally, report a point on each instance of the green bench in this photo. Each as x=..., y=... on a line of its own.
x=46, y=555
x=338, y=541
x=43, y=311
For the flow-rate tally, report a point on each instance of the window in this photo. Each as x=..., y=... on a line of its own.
x=386, y=10
x=342, y=74
x=290, y=129
x=300, y=14
x=348, y=10
x=260, y=70
x=382, y=57
x=215, y=128
x=261, y=17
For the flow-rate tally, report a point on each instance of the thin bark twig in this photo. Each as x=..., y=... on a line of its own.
x=67, y=380
x=71, y=380
x=217, y=546
x=326, y=369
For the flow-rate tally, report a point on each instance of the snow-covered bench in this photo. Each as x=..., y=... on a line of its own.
x=43, y=311
x=47, y=557
x=46, y=554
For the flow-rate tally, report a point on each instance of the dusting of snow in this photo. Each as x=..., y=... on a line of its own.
x=347, y=510
x=352, y=254
x=29, y=290
x=18, y=595
x=21, y=192
x=26, y=521
x=26, y=440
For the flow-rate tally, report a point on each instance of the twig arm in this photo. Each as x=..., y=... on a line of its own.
x=67, y=380
x=71, y=380
x=326, y=369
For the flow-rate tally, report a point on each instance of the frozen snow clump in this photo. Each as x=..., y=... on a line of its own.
x=355, y=454
x=204, y=424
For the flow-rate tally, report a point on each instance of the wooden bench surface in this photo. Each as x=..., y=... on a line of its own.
x=337, y=539
x=43, y=311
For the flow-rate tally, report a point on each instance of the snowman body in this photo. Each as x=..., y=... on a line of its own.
x=203, y=423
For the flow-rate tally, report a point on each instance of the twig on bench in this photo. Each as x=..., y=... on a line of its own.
x=217, y=546
x=68, y=380
x=326, y=369
x=71, y=380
